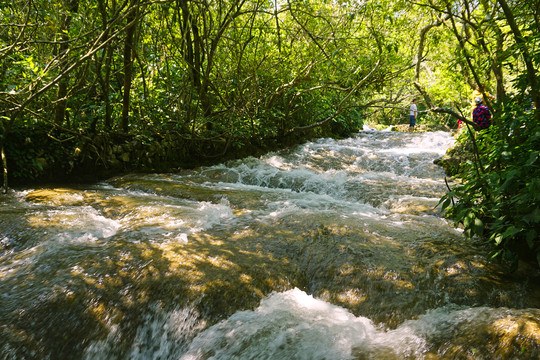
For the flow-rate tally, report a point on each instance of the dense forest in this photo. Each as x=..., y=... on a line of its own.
x=97, y=86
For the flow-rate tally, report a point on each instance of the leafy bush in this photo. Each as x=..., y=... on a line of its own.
x=36, y=152
x=498, y=198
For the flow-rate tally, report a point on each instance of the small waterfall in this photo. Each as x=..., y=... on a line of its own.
x=334, y=249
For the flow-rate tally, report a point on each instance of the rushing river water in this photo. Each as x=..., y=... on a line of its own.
x=330, y=250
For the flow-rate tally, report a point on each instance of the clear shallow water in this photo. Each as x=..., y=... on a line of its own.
x=331, y=250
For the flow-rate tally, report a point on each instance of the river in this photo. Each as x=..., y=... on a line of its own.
x=334, y=249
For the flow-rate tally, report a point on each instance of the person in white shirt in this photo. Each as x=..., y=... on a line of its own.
x=413, y=112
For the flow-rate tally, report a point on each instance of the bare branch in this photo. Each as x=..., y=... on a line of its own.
x=340, y=107
x=98, y=44
x=419, y=57
x=454, y=114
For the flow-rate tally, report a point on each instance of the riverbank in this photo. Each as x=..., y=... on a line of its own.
x=43, y=157
x=40, y=157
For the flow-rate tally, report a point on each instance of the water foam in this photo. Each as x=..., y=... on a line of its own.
x=82, y=226
x=294, y=325
x=162, y=335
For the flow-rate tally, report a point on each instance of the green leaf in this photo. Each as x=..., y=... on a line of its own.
x=532, y=158
x=531, y=236
x=478, y=227
x=446, y=203
x=494, y=254
x=469, y=219
x=533, y=217
x=510, y=178
x=510, y=232
x=498, y=238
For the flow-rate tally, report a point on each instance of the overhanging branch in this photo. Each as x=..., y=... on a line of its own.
x=454, y=114
x=341, y=103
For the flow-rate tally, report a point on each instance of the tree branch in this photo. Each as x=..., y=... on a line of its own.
x=341, y=103
x=454, y=114
x=419, y=57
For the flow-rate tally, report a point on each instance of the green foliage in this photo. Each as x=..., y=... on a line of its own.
x=36, y=152
x=499, y=197
x=253, y=72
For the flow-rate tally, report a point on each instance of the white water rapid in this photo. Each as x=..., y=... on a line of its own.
x=332, y=250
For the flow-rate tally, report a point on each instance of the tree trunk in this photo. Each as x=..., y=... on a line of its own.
x=108, y=108
x=128, y=63
x=494, y=55
x=105, y=82
x=419, y=56
x=522, y=46
x=194, y=52
x=61, y=101
x=497, y=64
x=466, y=55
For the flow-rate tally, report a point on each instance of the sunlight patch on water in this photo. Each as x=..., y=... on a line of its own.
x=322, y=207
x=12, y=264
x=412, y=205
x=213, y=214
x=278, y=162
x=175, y=222
x=82, y=224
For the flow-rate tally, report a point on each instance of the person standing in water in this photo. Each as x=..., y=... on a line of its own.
x=413, y=112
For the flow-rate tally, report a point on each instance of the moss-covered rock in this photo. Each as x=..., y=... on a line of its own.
x=452, y=161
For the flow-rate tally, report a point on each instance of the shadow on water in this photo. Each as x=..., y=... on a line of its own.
x=58, y=296
x=61, y=300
